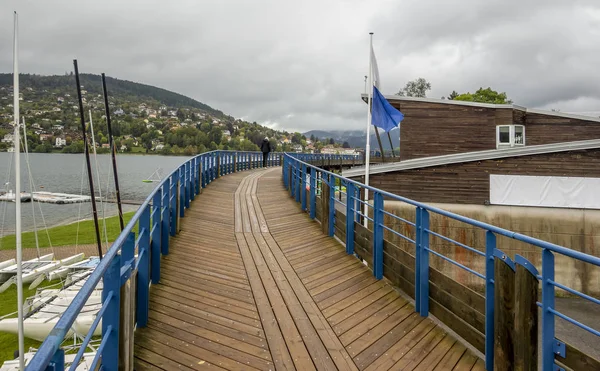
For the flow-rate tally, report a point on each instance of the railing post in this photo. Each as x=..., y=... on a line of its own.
x=526, y=315
x=378, y=235
x=193, y=179
x=325, y=204
x=127, y=305
x=290, y=178
x=298, y=181
x=218, y=159
x=165, y=219
x=173, y=191
x=156, y=239
x=202, y=171
x=548, y=321
x=490, y=247
x=313, y=193
x=504, y=292
x=422, y=263
x=181, y=199
x=186, y=184
x=110, y=319
x=57, y=363
x=303, y=187
x=199, y=175
x=235, y=162
x=176, y=207
x=349, y=218
x=144, y=265
x=331, y=215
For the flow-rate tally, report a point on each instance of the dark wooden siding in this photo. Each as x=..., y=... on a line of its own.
x=468, y=183
x=519, y=116
x=545, y=129
x=434, y=129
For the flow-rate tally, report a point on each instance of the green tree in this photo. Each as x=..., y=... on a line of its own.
x=485, y=96
x=331, y=141
x=346, y=145
x=215, y=136
x=415, y=88
x=452, y=95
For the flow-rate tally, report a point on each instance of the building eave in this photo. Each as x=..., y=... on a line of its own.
x=494, y=154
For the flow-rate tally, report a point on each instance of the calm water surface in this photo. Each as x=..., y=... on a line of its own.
x=67, y=173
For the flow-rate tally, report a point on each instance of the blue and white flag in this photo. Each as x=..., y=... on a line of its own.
x=384, y=115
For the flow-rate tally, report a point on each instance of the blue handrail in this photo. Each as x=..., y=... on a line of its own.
x=296, y=167
x=152, y=240
x=157, y=221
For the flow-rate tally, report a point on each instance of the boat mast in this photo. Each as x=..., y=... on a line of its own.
x=113, y=151
x=18, y=199
x=87, y=159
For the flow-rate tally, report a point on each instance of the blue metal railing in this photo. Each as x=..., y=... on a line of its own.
x=297, y=169
x=157, y=220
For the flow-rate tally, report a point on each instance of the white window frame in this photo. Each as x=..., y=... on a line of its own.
x=511, y=136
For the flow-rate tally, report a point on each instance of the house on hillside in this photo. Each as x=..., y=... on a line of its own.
x=8, y=138
x=60, y=142
x=474, y=153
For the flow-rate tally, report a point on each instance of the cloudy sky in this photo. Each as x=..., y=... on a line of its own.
x=300, y=65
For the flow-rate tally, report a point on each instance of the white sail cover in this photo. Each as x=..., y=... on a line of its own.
x=545, y=191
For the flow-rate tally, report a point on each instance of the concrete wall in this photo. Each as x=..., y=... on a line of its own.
x=572, y=228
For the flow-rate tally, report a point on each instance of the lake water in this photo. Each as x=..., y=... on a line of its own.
x=67, y=173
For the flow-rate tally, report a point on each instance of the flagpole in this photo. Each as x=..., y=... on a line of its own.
x=368, y=146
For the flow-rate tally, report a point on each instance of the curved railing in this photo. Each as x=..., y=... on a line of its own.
x=454, y=304
x=157, y=219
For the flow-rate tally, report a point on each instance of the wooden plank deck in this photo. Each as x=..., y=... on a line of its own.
x=252, y=283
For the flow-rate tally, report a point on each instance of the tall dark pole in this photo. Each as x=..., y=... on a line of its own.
x=87, y=159
x=113, y=151
x=391, y=145
x=380, y=145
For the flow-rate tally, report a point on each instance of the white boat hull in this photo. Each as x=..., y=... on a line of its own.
x=84, y=365
x=39, y=328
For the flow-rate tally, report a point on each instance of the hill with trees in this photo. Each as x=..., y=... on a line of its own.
x=145, y=118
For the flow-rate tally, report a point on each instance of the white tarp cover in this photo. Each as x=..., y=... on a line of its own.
x=545, y=191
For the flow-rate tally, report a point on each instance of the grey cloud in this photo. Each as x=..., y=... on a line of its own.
x=300, y=65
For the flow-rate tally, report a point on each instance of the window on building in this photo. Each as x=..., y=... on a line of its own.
x=504, y=135
x=510, y=135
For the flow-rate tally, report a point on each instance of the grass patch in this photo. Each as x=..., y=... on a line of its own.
x=8, y=304
x=65, y=234
x=138, y=150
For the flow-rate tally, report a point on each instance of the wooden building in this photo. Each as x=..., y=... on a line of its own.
x=471, y=153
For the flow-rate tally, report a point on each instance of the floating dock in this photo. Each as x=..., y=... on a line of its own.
x=47, y=197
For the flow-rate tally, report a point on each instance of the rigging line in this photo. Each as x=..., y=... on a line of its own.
x=5, y=205
x=102, y=203
x=35, y=231
x=39, y=207
x=107, y=203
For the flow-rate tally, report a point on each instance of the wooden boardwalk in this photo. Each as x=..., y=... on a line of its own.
x=252, y=283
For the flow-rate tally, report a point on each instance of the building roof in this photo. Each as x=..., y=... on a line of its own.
x=474, y=156
x=391, y=98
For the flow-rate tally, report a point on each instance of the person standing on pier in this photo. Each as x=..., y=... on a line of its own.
x=265, y=147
